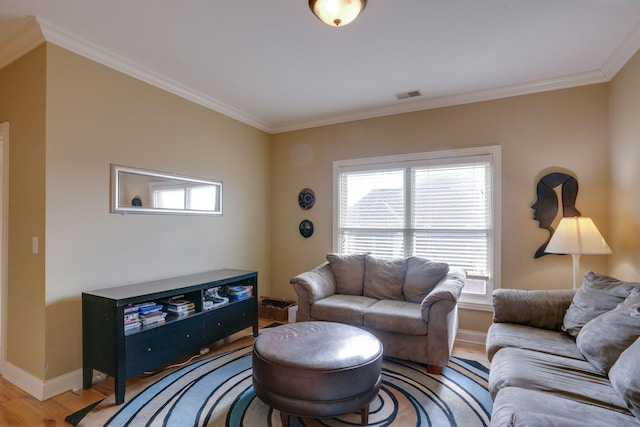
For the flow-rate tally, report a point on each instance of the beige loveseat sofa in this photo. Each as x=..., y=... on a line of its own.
x=564, y=360
x=410, y=304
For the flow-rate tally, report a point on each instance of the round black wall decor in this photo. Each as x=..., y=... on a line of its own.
x=306, y=199
x=306, y=228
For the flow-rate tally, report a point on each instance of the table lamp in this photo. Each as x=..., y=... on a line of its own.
x=576, y=236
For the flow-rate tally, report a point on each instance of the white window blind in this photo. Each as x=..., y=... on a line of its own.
x=202, y=197
x=441, y=207
x=184, y=196
x=168, y=198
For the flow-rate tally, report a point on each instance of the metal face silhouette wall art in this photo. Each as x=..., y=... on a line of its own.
x=546, y=207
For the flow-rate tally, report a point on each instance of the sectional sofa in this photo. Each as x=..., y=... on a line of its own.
x=560, y=358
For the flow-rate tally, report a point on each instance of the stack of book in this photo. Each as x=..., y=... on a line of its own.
x=212, y=300
x=179, y=306
x=131, y=318
x=238, y=293
x=151, y=313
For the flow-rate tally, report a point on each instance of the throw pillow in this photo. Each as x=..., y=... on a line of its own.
x=598, y=294
x=421, y=277
x=383, y=278
x=602, y=339
x=625, y=377
x=348, y=269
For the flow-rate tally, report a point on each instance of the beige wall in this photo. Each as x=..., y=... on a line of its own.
x=625, y=171
x=91, y=116
x=22, y=104
x=96, y=116
x=562, y=129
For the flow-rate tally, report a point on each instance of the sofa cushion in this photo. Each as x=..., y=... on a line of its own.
x=504, y=335
x=348, y=309
x=625, y=377
x=421, y=277
x=400, y=317
x=602, y=339
x=556, y=375
x=598, y=294
x=348, y=269
x=519, y=407
x=538, y=308
x=383, y=278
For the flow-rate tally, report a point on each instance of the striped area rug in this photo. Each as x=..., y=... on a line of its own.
x=217, y=391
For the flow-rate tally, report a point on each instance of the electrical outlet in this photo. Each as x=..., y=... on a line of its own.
x=204, y=350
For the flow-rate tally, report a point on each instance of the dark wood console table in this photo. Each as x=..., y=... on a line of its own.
x=108, y=348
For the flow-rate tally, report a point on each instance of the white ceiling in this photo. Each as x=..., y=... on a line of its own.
x=273, y=65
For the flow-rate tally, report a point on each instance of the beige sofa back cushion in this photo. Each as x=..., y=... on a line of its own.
x=602, y=339
x=348, y=269
x=599, y=293
x=421, y=277
x=625, y=377
x=383, y=278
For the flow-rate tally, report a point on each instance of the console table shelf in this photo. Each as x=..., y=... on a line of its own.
x=107, y=348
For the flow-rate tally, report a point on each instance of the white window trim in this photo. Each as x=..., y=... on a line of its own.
x=402, y=160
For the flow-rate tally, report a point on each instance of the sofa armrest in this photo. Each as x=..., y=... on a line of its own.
x=312, y=286
x=440, y=311
x=448, y=289
x=538, y=308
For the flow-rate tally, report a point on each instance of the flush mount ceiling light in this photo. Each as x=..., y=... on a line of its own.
x=337, y=13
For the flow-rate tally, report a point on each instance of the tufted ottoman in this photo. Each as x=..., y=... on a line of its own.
x=317, y=369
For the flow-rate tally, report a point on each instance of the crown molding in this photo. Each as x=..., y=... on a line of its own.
x=425, y=103
x=623, y=53
x=22, y=41
x=36, y=31
x=82, y=47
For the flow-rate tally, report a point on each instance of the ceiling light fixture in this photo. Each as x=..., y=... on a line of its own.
x=337, y=13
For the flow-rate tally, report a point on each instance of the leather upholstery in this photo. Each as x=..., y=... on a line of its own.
x=317, y=369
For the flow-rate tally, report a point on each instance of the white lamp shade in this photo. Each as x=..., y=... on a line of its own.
x=577, y=235
x=337, y=13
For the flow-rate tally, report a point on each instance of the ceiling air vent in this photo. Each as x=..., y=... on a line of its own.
x=410, y=94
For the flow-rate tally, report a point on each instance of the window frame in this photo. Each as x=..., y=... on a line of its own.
x=156, y=188
x=441, y=157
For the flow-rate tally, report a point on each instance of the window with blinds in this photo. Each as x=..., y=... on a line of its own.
x=442, y=206
x=184, y=196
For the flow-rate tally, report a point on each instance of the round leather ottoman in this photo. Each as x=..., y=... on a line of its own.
x=317, y=369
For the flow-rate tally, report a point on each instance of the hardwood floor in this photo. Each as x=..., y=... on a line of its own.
x=470, y=351
x=19, y=409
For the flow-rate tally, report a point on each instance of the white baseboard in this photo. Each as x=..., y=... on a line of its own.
x=66, y=382
x=41, y=390
x=473, y=337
